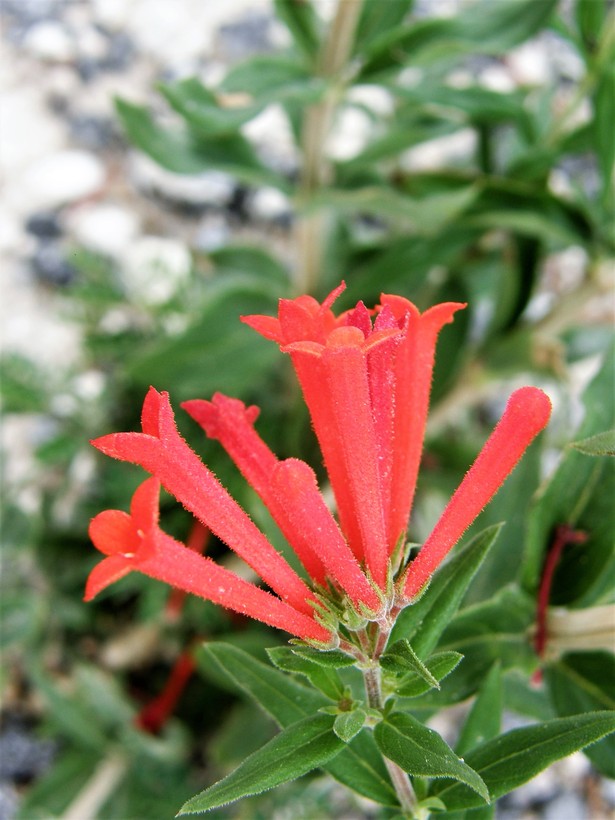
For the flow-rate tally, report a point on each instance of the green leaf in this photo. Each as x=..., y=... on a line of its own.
x=298, y=749
x=402, y=657
x=273, y=78
x=426, y=215
x=349, y=724
x=583, y=682
x=577, y=495
x=302, y=22
x=199, y=107
x=327, y=680
x=184, y=153
x=508, y=761
x=421, y=751
x=253, y=261
x=602, y=444
x=278, y=694
x=439, y=665
x=331, y=659
x=486, y=633
x=483, y=721
x=423, y=622
x=217, y=352
x=484, y=27
x=378, y=18
x=604, y=117
x=495, y=28
x=359, y=766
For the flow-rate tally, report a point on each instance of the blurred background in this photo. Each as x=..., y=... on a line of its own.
x=169, y=166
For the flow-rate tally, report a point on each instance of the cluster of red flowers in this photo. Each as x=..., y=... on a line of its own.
x=366, y=378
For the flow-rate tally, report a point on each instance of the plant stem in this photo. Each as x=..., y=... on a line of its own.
x=399, y=778
x=316, y=171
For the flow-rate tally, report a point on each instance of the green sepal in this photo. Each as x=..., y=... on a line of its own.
x=326, y=680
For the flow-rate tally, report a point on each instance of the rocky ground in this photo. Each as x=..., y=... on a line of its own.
x=70, y=179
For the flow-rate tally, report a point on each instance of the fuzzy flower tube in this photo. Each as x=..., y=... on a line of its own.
x=366, y=378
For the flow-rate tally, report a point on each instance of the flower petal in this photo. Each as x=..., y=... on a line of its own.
x=107, y=572
x=113, y=533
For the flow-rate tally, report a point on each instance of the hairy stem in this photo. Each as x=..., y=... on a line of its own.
x=399, y=778
x=316, y=170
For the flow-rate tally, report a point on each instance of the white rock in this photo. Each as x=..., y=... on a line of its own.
x=269, y=204
x=113, y=14
x=105, y=228
x=154, y=269
x=374, y=97
x=497, y=78
x=28, y=130
x=61, y=178
x=50, y=41
x=273, y=138
x=349, y=135
x=440, y=152
x=529, y=64
x=211, y=188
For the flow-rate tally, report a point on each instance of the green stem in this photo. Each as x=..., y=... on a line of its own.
x=316, y=171
x=399, y=778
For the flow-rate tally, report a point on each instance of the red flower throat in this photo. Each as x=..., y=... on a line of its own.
x=366, y=384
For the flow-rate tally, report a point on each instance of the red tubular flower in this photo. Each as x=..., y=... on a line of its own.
x=526, y=414
x=366, y=382
x=160, y=450
x=232, y=423
x=290, y=492
x=135, y=542
x=413, y=368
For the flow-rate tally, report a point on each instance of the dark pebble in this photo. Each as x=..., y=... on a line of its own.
x=44, y=225
x=50, y=265
x=94, y=133
x=246, y=37
x=23, y=756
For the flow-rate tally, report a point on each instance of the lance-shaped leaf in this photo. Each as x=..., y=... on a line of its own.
x=602, y=444
x=411, y=685
x=359, y=766
x=508, y=761
x=424, y=621
x=483, y=721
x=349, y=724
x=402, y=657
x=298, y=749
x=421, y=751
x=327, y=680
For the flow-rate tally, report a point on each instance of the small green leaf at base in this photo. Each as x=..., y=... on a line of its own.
x=299, y=749
x=349, y=724
x=421, y=751
x=402, y=657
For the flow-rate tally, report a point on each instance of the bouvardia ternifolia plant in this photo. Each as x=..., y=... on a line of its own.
x=366, y=377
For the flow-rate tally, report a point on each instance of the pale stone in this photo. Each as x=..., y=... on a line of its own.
x=154, y=269
x=349, y=135
x=104, y=228
x=440, y=152
x=50, y=41
x=61, y=178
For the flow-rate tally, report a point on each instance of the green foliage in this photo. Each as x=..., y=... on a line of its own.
x=491, y=224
